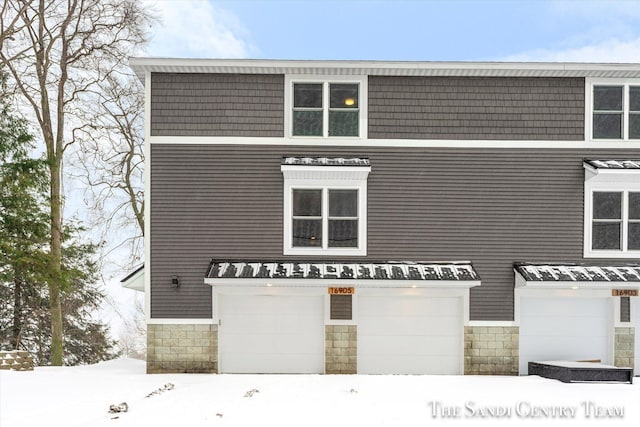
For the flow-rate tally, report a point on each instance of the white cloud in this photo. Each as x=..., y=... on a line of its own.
x=197, y=29
x=612, y=51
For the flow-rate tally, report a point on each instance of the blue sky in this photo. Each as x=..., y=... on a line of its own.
x=421, y=30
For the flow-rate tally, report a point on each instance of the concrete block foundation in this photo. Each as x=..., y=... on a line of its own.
x=182, y=349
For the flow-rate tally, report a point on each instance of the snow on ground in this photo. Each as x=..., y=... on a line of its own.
x=81, y=396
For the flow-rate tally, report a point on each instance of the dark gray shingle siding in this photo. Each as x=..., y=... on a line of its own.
x=217, y=105
x=625, y=309
x=493, y=207
x=476, y=108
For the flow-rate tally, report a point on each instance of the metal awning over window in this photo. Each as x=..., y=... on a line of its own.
x=301, y=273
x=611, y=169
x=576, y=275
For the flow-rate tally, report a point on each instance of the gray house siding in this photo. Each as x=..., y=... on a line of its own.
x=490, y=206
x=252, y=105
x=476, y=108
x=249, y=105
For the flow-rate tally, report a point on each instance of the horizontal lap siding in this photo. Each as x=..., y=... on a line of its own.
x=217, y=105
x=490, y=206
x=476, y=108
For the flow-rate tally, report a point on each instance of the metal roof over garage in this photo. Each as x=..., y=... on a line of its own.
x=579, y=273
x=303, y=271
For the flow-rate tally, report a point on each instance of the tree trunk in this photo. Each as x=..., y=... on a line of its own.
x=17, y=314
x=55, y=262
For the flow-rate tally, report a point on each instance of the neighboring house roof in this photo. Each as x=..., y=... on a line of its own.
x=384, y=68
x=348, y=270
x=326, y=161
x=135, y=279
x=578, y=273
x=613, y=164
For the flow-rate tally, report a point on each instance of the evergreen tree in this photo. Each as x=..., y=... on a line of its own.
x=25, y=318
x=23, y=227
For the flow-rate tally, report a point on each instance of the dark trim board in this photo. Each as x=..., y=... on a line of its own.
x=572, y=372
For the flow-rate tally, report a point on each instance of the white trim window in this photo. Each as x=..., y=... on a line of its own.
x=614, y=109
x=324, y=218
x=321, y=108
x=325, y=210
x=615, y=221
x=612, y=215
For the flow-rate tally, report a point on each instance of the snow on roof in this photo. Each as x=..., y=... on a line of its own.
x=325, y=161
x=389, y=270
x=613, y=164
x=578, y=273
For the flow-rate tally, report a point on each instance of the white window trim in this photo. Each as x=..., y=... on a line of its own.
x=325, y=177
x=291, y=185
x=589, y=84
x=624, y=181
x=290, y=79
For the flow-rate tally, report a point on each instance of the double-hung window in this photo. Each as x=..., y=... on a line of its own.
x=612, y=212
x=324, y=218
x=616, y=221
x=325, y=108
x=325, y=206
x=614, y=110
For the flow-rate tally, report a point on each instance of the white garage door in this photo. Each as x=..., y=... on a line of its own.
x=271, y=334
x=409, y=335
x=563, y=329
x=635, y=311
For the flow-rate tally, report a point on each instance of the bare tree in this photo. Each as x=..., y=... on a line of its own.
x=58, y=53
x=112, y=161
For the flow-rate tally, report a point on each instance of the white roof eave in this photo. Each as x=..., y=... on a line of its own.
x=141, y=65
x=135, y=281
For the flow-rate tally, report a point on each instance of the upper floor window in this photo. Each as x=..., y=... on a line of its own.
x=325, y=108
x=616, y=221
x=612, y=209
x=615, y=111
x=325, y=206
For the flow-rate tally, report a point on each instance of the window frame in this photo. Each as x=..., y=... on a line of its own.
x=324, y=249
x=590, y=84
x=325, y=80
x=624, y=182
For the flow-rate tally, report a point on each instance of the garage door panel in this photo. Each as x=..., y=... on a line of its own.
x=635, y=316
x=406, y=364
x=571, y=326
x=410, y=306
x=558, y=307
x=269, y=324
x=563, y=329
x=409, y=334
x=403, y=345
x=272, y=364
x=271, y=334
x=410, y=325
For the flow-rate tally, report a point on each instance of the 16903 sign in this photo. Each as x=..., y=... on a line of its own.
x=624, y=292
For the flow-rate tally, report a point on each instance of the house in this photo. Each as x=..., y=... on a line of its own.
x=390, y=217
